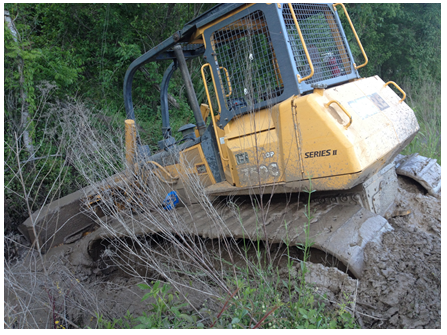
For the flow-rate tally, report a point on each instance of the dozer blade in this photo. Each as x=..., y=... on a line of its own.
x=421, y=169
x=341, y=231
x=58, y=221
x=63, y=220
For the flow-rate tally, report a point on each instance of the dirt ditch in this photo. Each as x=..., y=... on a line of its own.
x=400, y=286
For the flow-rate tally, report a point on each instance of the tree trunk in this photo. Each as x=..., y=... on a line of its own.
x=24, y=117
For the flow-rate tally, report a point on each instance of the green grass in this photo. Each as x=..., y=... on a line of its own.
x=261, y=301
x=425, y=100
x=260, y=296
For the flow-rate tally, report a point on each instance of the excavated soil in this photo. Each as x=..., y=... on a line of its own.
x=401, y=282
x=400, y=286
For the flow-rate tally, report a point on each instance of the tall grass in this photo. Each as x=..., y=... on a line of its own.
x=424, y=98
x=40, y=294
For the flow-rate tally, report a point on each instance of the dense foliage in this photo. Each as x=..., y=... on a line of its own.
x=84, y=49
x=401, y=40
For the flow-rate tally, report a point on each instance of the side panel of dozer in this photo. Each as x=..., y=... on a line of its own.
x=187, y=177
x=340, y=154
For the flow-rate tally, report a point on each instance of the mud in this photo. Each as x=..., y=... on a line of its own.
x=400, y=286
x=401, y=283
x=402, y=280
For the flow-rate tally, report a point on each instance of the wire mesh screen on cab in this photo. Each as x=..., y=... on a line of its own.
x=322, y=37
x=246, y=62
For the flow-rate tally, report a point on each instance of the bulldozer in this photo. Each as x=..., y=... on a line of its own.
x=286, y=108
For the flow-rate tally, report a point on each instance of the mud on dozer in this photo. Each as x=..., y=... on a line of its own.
x=286, y=109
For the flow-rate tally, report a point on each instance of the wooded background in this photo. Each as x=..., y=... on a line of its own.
x=55, y=53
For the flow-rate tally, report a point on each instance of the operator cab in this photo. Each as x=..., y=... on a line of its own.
x=250, y=72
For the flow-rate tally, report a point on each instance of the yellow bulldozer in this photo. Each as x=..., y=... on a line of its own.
x=286, y=108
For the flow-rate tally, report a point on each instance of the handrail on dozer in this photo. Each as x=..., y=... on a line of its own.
x=355, y=34
x=397, y=86
x=343, y=109
x=304, y=47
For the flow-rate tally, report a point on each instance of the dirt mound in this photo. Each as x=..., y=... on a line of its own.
x=402, y=279
x=401, y=283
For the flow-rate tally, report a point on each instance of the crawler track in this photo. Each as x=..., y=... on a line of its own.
x=341, y=228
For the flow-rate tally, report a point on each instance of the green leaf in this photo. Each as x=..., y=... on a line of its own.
x=303, y=268
x=186, y=317
x=333, y=324
x=144, y=286
x=140, y=326
x=175, y=311
x=244, y=313
x=147, y=295
x=303, y=312
x=146, y=322
x=12, y=54
x=181, y=305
